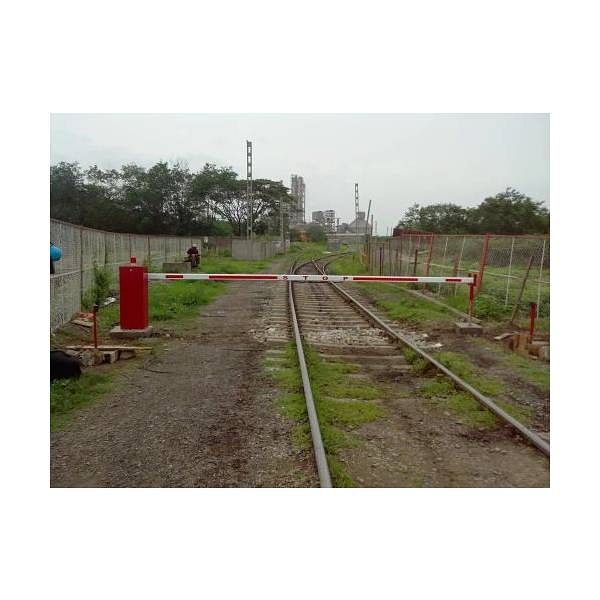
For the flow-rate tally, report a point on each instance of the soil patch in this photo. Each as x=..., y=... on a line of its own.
x=199, y=414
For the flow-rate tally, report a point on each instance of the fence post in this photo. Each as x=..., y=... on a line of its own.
x=80, y=267
x=429, y=255
x=443, y=263
x=416, y=260
x=483, y=261
x=401, y=255
x=512, y=247
x=539, y=290
x=524, y=282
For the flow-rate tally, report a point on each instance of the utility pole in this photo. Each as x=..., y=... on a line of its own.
x=356, y=205
x=249, y=202
x=281, y=223
x=367, y=220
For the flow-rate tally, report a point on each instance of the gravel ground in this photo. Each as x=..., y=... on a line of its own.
x=199, y=414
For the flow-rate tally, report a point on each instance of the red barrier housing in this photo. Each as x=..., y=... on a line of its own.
x=133, y=287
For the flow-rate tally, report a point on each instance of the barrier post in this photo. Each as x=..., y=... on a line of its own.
x=472, y=295
x=532, y=316
x=133, y=290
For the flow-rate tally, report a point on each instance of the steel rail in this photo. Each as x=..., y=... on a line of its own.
x=527, y=433
x=313, y=419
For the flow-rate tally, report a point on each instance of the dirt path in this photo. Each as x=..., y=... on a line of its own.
x=200, y=414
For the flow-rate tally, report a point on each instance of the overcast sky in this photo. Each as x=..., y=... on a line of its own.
x=397, y=159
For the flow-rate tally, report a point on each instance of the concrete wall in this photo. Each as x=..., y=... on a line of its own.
x=82, y=248
x=255, y=249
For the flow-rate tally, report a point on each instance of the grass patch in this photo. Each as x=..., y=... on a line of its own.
x=340, y=406
x=470, y=411
x=461, y=366
x=225, y=264
x=68, y=394
x=440, y=387
x=463, y=404
x=347, y=265
x=523, y=414
x=411, y=310
x=417, y=362
x=534, y=372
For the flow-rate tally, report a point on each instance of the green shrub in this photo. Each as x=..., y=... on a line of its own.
x=101, y=287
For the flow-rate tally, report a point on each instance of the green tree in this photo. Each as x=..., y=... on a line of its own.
x=67, y=190
x=510, y=212
x=315, y=232
x=441, y=218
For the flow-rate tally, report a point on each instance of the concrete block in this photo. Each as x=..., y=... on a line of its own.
x=126, y=354
x=467, y=328
x=110, y=356
x=117, y=332
x=177, y=267
x=544, y=353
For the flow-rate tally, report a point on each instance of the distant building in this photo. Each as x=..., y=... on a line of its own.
x=325, y=218
x=298, y=191
x=329, y=216
x=359, y=225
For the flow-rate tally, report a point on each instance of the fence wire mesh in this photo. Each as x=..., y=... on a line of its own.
x=513, y=271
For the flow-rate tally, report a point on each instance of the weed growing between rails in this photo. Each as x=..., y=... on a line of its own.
x=341, y=407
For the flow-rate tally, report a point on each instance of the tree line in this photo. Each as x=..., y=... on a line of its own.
x=509, y=212
x=165, y=199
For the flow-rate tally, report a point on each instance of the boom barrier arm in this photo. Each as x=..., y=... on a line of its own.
x=133, y=287
x=307, y=278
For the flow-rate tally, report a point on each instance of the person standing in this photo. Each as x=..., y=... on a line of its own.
x=194, y=255
x=55, y=254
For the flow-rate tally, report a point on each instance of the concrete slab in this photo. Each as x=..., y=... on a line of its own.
x=177, y=267
x=467, y=328
x=117, y=332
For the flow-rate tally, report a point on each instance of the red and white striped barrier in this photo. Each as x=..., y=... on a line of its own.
x=307, y=278
x=133, y=287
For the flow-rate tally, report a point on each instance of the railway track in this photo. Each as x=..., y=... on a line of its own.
x=341, y=329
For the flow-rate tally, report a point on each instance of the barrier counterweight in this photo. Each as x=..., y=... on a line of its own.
x=133, y=290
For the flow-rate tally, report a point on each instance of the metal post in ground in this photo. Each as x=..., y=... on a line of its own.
x=443, y=259
x=472, y=295
x=539, y=290
x=483, y=260
x=512, y=247
x=462, y=249
x=518, y=302
x=532, y=315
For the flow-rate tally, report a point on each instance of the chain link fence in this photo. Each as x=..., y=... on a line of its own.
x=512, y=271
x=83, y=248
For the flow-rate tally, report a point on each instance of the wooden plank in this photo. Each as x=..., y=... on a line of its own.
x=108, y=348
x=82, y=323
